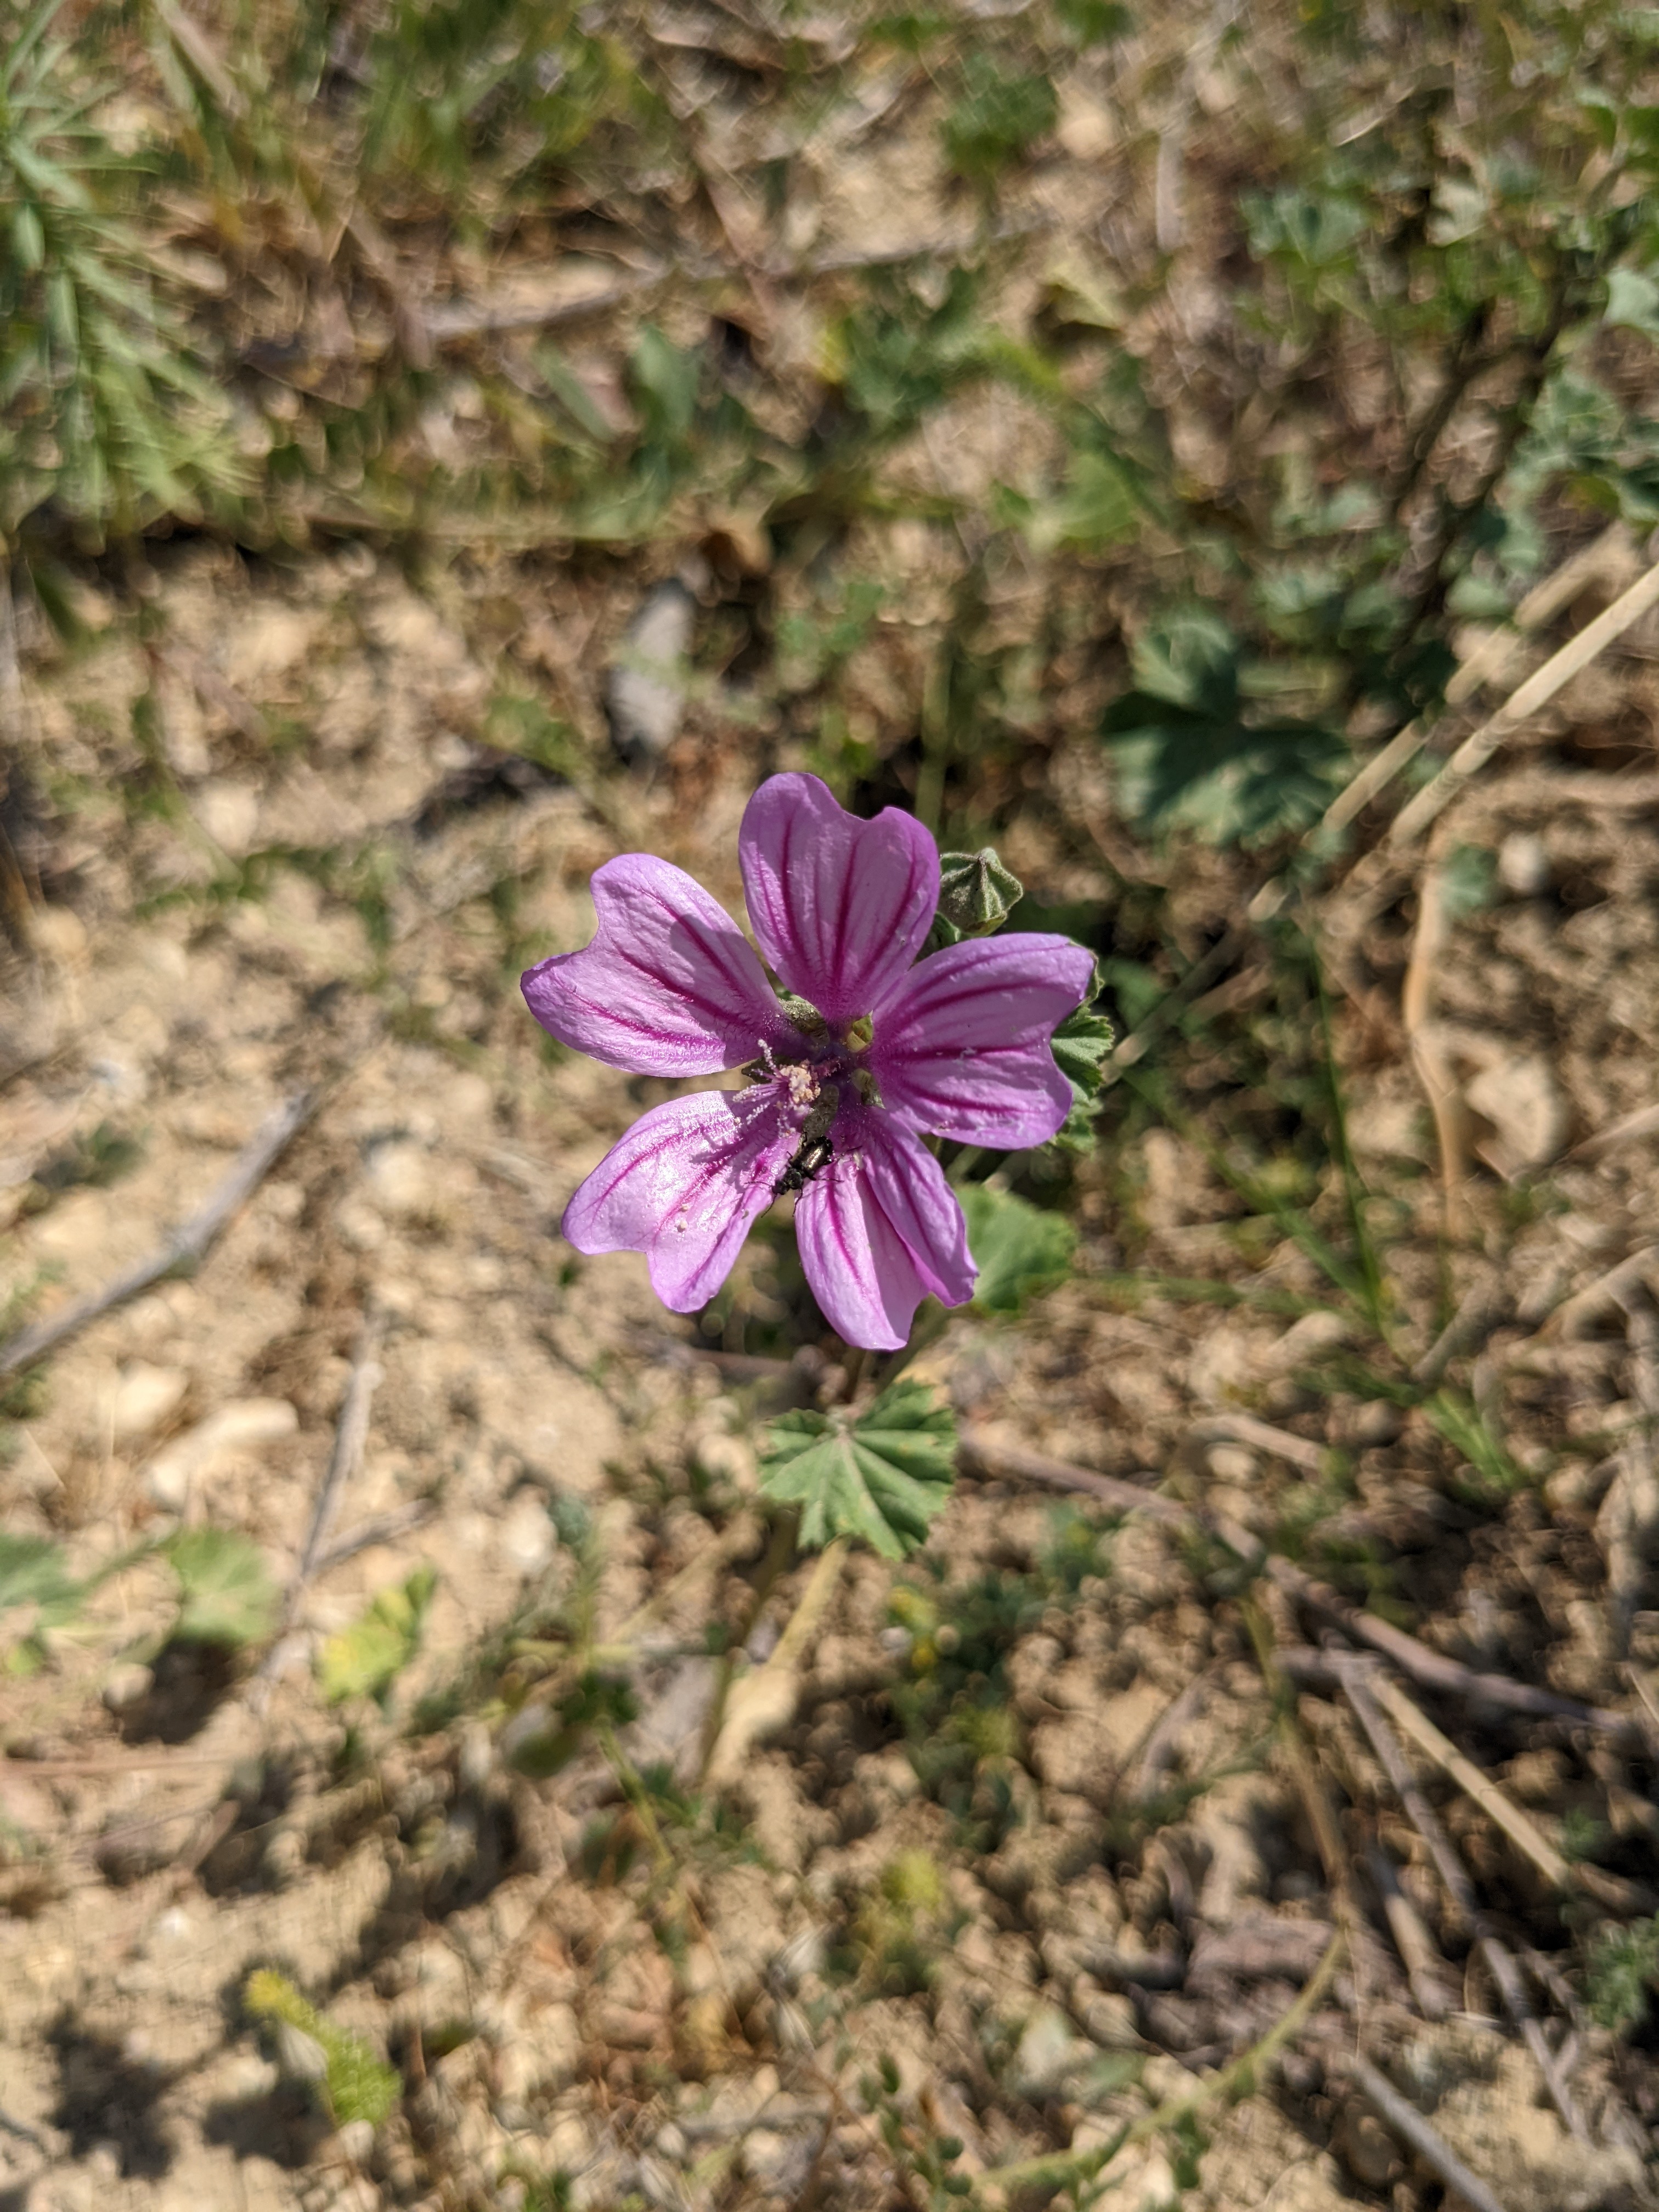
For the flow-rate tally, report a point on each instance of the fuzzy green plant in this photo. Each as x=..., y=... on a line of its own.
x=1621, y=1973
x=352, y=2083
x=109, y=415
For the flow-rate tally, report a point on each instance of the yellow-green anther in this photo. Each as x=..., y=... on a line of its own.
x=859, y=1032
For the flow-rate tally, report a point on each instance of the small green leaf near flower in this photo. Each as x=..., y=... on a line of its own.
x=1019, y=1248
x=1082, y=1045
x=33, y=1571
x=881, y=1478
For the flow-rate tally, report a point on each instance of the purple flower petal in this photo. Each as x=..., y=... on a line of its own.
x=669, y=986
x=878, y=1229
x=839, y=907
x=684, y=1187
x=962, y=1050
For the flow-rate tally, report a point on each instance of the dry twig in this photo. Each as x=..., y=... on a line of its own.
x=1241, y=2077
x=1472, y=756
x=1429, y=1055
x=1609, y=1889
x=1409, y=2125
x=1357, y=1683
x=1426, y=1969
x=982, y=1454
x=1521, y=1831
x=1261, y=1435
x=183, y=1250
x=1435, y=1671
x=1642, y=1123
x=1543, y=602
x=350, y=1437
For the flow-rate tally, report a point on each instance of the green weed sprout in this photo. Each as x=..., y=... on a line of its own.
x=351, y=2081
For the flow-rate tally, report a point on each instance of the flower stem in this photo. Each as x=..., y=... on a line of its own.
x=779, y=1554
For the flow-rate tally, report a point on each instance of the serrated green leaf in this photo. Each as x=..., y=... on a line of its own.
x=366, y=1659
x=1082, y=1045
x=1094, y=508
x=882, y=1478
x=1231, y=781
x=1018, y=1248
x=224, y=1591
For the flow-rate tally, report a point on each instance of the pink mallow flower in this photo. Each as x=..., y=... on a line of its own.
x=869, y=1048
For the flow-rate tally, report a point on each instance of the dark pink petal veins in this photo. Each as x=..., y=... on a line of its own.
x=684, y=1187
x=878, y=1230
x=962, y=1048
x=839, y=907
x=670, y=985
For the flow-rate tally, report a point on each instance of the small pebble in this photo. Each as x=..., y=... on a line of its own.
x=1523, y=863
x=1378, y=1422
x=127, y=1685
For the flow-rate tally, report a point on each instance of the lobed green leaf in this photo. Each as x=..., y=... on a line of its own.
x=882, y=1477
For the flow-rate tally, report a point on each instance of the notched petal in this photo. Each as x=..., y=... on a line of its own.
x=669, y=986
x=963, y=1050
x=879, y=1231
x=839, y=907
x=685, y=1186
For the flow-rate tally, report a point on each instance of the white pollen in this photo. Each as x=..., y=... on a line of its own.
x=802, y=1086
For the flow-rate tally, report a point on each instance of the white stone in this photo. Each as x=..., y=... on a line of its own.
x=127, y=1684
x=526, y=1537
x=145, y=1396
x=244, y=1424
x=1523, y=863
x=400, y=1179
x=1144, y=2181
x=1521, y=1098
x=229, y=812
x=1049, y=2049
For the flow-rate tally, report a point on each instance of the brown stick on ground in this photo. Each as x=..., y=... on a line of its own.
x=1353, y=1675
x=1261, y=1435
x=183, y=1250
x=1543, y=602
x=1409, y=2125
x=1429, y=1055
x=1610, y=1890
x=982, y=1454
x=1536, y=692
x=1425, y=1968
x=1448, y=1676
x=350, y=1438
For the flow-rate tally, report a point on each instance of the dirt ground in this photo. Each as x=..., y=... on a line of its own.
x=585, y=2009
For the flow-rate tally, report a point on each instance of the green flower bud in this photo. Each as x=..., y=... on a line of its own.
x=976, y=892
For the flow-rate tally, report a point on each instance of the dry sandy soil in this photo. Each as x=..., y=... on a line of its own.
x=688, y=2015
